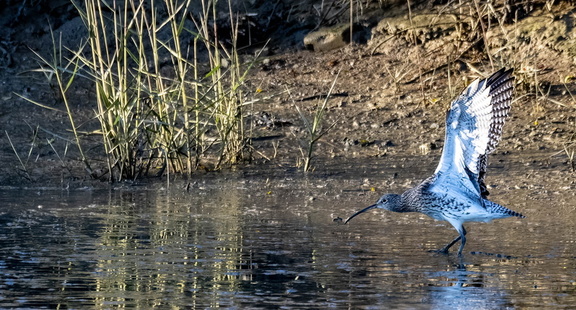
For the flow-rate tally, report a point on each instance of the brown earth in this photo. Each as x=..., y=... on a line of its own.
x=390, y=96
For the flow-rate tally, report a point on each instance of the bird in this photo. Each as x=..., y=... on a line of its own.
x=456, y=192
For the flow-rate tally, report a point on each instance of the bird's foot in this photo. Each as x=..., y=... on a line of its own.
x=442, y=251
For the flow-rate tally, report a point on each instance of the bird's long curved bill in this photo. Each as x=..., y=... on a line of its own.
x=361, y=211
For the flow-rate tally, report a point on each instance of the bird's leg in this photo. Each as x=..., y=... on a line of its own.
x=463, y=241
x=444, y=250
x=462, y=236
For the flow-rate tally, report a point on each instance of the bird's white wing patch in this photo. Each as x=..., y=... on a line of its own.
x=467, y=129
x=474, y=126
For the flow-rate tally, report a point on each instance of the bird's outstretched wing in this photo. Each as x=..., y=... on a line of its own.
x=474, y=127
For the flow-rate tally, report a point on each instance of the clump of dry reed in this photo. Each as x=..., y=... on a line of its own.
x=152, y=121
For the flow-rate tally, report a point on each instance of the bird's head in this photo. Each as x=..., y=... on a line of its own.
x=389, y=202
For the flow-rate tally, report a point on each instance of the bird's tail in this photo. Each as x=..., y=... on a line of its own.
x=502, y=211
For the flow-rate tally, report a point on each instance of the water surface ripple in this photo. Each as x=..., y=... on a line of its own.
x=246, y=240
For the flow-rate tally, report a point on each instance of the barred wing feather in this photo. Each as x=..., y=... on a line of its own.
x=473, y=129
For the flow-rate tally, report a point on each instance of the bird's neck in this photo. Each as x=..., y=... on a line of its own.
x=407, y=202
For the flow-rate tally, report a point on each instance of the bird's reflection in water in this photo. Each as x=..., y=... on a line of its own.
x=460, y=288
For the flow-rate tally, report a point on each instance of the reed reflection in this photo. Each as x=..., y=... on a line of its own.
x=174, y=252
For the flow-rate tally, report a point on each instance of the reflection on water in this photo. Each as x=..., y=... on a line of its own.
x=254, y=243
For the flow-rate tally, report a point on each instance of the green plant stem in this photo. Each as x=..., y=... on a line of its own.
x=314, y=128
x=18, y=156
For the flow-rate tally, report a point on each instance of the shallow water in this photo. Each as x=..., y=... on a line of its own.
x=269, y=240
